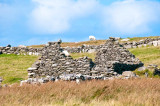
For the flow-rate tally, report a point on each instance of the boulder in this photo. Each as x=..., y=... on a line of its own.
x=142, y=68
x=128, y=74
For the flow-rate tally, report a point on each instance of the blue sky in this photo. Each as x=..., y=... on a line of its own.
x=29, y=22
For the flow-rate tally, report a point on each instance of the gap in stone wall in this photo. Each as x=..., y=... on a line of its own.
x=79, y=55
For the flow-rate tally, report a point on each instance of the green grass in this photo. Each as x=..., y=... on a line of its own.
x=141, y=38
x=148, y=55
x=78, y=55
x=14, y=67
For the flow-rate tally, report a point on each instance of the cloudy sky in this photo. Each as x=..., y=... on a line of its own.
x=31, y=22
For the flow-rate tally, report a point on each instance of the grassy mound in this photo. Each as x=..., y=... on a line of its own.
x=14, y=67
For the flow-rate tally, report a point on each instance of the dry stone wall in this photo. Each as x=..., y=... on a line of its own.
x=53, y=62
x=145, y=42
x=19, y=50
x=93, y=48
x=80, y=49
x=114, y=57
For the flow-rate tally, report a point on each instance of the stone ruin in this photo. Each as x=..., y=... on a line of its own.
x=53, y=62
x=111, y=60
x=114, y=57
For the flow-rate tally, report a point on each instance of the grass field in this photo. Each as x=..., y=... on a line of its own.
x=148, y=55
x=133, y=92
x=14, y=67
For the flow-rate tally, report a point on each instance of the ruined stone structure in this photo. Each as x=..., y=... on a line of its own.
x=114, y=57
x=110, y=59
x=53, y=62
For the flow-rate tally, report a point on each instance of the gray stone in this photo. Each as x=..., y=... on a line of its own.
x=128, y=74
x=142, y=68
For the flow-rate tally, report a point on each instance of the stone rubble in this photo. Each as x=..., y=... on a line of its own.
x=113, y=57
x=111, y=60
x=81, y=49
x=20, y=50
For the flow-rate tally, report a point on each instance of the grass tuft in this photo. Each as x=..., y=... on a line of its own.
x=144, y=92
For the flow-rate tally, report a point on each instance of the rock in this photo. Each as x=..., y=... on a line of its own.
x=32, y=68
x=128, y=74
x=8, y=45
x=5, y=85
x=155, y=43
x=156, y=72
x=1, y=80
x=152, y=67
x=142, y=68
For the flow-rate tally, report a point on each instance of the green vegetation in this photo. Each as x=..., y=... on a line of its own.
x=148, y=55
x=141, y=38
x=14, y=67
x=78, y=55
x=132, y=92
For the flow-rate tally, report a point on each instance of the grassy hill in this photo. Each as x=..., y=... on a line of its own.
x=133, y=92
x=148, y=55
x=96, y=42
x=14, y=67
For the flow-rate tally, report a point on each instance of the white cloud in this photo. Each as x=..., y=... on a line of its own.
x=54, y=16
x=131, y=16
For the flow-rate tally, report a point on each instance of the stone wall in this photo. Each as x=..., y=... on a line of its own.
x=80, y=49
x=145, y=42
x=53, y=62
x=93, y=48
x=114, y=57
x=19, y=50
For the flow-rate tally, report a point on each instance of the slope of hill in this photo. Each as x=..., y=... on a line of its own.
x=14, y=67
x=96, y=42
